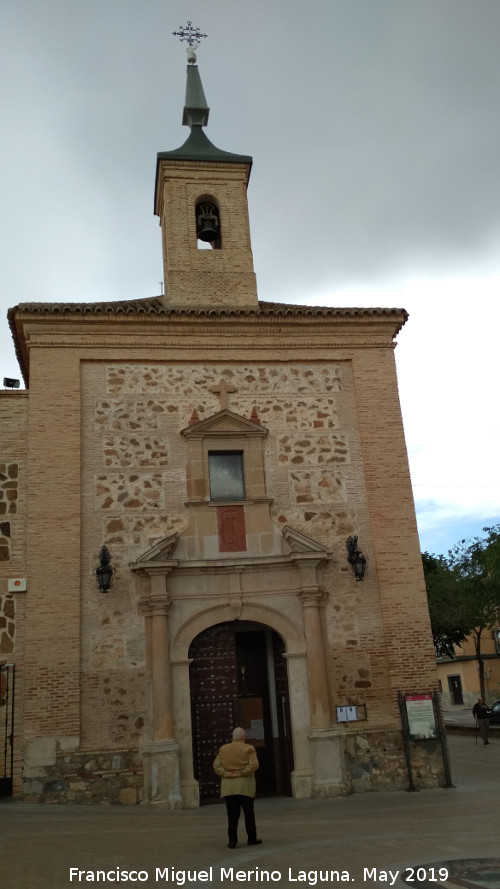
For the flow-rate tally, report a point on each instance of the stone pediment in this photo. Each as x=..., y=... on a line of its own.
x=299, y=543
x=162, y=551
x=224, y=423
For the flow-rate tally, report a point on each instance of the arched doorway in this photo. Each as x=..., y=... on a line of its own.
x=238, y=677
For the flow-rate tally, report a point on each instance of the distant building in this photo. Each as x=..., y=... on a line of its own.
x=459, y=677
x=223, y=450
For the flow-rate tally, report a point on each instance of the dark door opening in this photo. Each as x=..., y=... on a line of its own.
x=455, y=687
x=7, y=673
x=238, y=677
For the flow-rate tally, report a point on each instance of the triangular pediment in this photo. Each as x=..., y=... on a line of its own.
x=299, y=543
x=224, y=423
x=162, y=551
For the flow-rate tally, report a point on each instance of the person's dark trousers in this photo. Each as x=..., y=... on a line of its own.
x=234, y=805
x=484, y=727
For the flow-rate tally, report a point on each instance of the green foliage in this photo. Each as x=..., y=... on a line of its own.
x=475, y=565
x=463, y=592
x=448, y=628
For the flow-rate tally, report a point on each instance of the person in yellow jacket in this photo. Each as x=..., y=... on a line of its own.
x=236, y=763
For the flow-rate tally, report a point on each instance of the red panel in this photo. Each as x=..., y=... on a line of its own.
x=231, y=529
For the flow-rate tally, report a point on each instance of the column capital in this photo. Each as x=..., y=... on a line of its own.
x=313, y=597
x=154, y=605
x=159, y=570
x=144, y=607
x=152, y=569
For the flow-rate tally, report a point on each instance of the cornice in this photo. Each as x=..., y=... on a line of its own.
x=147, y=311
x=155, y=306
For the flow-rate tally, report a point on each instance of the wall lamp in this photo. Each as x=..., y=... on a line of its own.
x=104, y=571
x=355, y=557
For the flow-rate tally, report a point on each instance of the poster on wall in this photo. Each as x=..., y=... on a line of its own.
x=346, y=714
x=421, y=718
x=252, y=720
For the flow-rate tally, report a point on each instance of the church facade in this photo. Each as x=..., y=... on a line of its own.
x=218, y=452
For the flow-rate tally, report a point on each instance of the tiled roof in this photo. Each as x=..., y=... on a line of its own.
x=154, y=305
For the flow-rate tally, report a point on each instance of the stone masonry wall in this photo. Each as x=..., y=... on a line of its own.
x=376, y=761
x=92, y=777
x=108, y=438
x=134, y=463
x=7, y=624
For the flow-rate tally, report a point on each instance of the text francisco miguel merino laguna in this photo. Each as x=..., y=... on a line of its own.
x=230, y=875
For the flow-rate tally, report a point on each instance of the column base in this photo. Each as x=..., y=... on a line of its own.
x=302, y=784
x=161, y=773
x=190, y=793
x=330, y=775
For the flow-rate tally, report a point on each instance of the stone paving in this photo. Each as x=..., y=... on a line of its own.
x=450, y=837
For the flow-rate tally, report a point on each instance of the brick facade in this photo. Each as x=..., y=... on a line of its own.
x=111, y=445
x=108, y=464
x=205, y=277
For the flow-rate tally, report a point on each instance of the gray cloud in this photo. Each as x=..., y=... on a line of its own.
x=373, y=125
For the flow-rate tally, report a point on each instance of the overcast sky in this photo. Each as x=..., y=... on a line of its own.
x=375, y=131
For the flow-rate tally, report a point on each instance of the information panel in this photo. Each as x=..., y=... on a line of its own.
x=421, y=719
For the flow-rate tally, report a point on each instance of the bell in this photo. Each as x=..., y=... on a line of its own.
x=207, y=222
x=207, y=229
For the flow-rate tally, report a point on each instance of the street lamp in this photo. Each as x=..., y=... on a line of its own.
x=355, y=557
x=104, y=571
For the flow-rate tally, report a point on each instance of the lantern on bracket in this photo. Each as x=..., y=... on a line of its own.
x=104, y=571
x=355, y=557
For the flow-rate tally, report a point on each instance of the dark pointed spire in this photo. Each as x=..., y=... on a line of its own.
x=195, y=115
x=195, y=107
x=196, y=110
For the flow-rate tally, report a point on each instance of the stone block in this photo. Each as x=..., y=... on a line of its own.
x=39, y=752
x=67, y=745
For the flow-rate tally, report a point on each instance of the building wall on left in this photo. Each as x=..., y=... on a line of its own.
x=13, y=508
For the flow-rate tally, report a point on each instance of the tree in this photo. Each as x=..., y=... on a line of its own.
x=463, y=590
x=448, y=629
x=476, y=565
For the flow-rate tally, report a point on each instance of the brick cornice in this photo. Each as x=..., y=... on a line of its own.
x=69, y=324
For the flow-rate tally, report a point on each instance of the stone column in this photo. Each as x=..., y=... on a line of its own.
x=316, y=664
x=302, y=776
x=163, y=720
x=161, y=753
x=327, y=743
x=145, y=610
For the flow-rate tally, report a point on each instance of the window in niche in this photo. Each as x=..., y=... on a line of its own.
x=225, y=472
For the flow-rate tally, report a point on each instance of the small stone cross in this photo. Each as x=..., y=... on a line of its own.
x=222, y=390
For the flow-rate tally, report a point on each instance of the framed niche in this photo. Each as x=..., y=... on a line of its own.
x=225, y=460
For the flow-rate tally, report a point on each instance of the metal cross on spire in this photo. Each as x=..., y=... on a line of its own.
x=191, y=35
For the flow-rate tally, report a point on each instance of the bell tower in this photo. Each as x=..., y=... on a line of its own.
x=201, y=200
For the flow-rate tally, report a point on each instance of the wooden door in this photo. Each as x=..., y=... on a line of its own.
x=214, y=691
x=238, y=677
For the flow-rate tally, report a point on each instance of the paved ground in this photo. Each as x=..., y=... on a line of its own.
x=364, y=837
x=461, y=716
